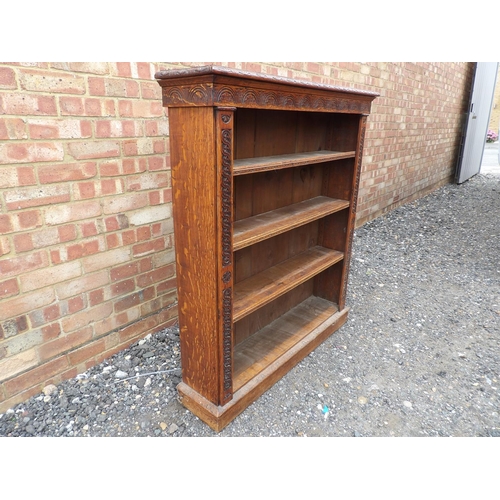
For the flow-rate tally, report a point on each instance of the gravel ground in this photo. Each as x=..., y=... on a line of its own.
x=418, y=356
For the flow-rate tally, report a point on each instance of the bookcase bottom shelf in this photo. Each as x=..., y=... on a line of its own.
x=265, y=357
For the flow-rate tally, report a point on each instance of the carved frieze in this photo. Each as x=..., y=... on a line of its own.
x=229, y=87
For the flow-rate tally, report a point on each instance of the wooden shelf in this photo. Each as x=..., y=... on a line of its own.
x=260, y=289
x=260, y=227
x=263, y=348
x=264, y=163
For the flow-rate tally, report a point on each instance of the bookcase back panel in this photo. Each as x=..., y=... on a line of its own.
x=265, y=315
x=258, y=193
x=266, y=133
x=265, y=254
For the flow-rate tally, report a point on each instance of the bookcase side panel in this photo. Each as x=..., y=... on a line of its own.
x=195, y=226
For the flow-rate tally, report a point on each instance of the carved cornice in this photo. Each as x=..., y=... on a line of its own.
x=237, y=73
x=217, y=86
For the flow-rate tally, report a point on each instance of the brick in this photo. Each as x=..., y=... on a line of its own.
x=154, y=198
x=150, y=247
x=35, y=197
x=117, y=222
x=86, y=317
x=145, y=70
x=140, y=109
x=87, y=352
x=88, y=229
x=122, y=287
x=147, y=181
x=167, y=286
x=93, y=149
x=125, y=203
x=113, y=241
x=143, y=233
x=134, y=299
x=6, y=225
x=150, y=214
x=25, y=176
x=98, y=68
x=109, y=168
x=52, y=236
x=76, y=304
x=85, y=283
x=159, y=146
x=80, y=250
x=13, y=128
x=15, y=326
x=18, y=363
x=96, y=297
x=36, y=376
x=74, y=212
x=125, y=271
x=155, y=276
x=66, y=172
x=111, y=186
x=50, y=332
x=29, y=219
x=107, y=325
x=157, y=127
x=123, y=69
x=163, y=258
x=8, y=288
x=72, y=106
x=51, y=313
x=138, y=329
x=113, y=87
x=118, y=128
x=14, y=152
x=7, y=78
x=85, y=190
x=23, y=264
x=50, y=276
x=105, y=260
x=23, y=342
x=28, y=104
x=51, y=81
x=59, y=129
x=23, y=243
x=150, y=90
x=4, y=243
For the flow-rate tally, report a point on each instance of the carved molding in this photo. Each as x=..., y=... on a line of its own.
x=227, y=355
x=226, y=186
x=226, y=95
x=226, y=257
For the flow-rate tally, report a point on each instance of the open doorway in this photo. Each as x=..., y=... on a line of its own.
x=477, y=121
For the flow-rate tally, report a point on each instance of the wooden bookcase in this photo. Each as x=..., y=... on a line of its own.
x=265, y=175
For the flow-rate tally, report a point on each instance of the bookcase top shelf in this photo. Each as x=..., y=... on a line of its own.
x=261, y=164
x=220, y=86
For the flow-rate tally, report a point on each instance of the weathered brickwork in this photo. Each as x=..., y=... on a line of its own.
x=86, y=233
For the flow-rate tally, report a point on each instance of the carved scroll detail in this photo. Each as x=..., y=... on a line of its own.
x=226, y=197
x=227, y=324
x=226, y=95
x=226, y=251
x=241, y=96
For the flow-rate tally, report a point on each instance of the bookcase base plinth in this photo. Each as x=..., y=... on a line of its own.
x=218, y=417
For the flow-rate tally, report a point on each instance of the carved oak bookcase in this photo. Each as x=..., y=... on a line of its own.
x=265, y=174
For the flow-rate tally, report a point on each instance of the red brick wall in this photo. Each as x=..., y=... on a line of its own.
x=86, y=243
